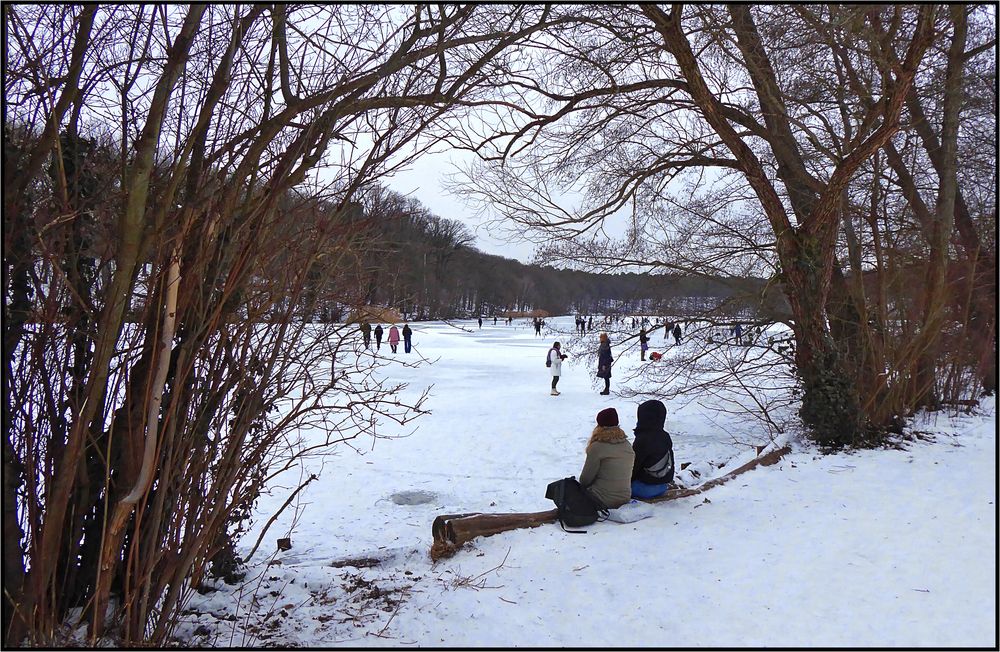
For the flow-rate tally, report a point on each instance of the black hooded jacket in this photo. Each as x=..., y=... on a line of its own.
x=654, y=451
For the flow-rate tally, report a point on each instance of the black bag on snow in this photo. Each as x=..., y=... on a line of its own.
x=575, y=505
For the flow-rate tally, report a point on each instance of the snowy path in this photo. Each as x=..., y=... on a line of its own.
x=877, y=548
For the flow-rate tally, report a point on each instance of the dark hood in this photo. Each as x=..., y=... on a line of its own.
x=651, y=415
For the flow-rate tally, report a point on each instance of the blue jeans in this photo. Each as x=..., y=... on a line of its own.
x=643, y=490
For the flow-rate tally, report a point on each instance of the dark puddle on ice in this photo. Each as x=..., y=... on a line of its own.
x=413, y=497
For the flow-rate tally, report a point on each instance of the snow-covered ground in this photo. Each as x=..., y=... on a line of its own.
x=884, y=548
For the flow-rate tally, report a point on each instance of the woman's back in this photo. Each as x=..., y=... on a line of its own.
x=612, y=476
x=607, y=471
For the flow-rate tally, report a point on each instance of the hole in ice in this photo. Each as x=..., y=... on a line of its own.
x=412, y=497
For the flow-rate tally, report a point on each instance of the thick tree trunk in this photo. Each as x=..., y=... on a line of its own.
x=830, y=405
x=452, y=531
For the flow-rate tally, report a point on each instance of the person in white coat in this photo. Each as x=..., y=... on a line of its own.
x=554, y=362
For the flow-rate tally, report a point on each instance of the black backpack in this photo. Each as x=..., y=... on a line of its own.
x=576, y=507
x=548, y=358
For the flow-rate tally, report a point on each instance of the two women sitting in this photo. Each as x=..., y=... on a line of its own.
x=616, y=470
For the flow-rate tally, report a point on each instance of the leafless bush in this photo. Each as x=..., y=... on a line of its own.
x=180, y=192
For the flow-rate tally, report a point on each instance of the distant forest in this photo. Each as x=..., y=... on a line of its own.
x=426, y=267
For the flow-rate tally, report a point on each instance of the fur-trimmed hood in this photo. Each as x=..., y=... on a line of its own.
x=609, y=434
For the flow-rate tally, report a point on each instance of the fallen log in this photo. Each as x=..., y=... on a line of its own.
x=452, y=531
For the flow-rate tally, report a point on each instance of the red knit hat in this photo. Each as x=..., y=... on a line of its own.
x=607, y=417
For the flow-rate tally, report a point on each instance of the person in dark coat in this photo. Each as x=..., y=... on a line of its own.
x=604, y=361
x=378, y=337
x=366, y=333
x=677, y=333
x=643, y=343
x=654, y=451
x=407, y=334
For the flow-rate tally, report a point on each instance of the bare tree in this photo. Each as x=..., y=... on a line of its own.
x=237, y=139
x=723, y=138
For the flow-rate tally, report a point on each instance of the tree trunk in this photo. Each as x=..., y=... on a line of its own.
x=929, y=340
x=125, y=507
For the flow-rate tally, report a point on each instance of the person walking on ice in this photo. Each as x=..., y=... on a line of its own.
x=554, y=362
x=393, y=338
x=366, y=333
x=407, y=334
x=378, y=336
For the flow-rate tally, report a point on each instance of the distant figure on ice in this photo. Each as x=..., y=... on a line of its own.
x=407, y=334
x=538, y=326
x=378, y=337
x=554, y=362
x=738, y=331
x=494, y=320
x=668, y=326
x=366, y=333
x=393, y=338
x=654, y=451
x=480, y=322
x=604, y=361
x=643, y=343
x=590, y=323
x=607, y=471
x=677, y=333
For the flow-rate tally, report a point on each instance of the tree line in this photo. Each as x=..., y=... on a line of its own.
x=427, y=267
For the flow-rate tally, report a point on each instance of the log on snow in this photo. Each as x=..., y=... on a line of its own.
x=451, y=531
x=763, y=460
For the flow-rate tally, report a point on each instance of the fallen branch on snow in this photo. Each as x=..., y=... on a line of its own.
x=452, y=531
